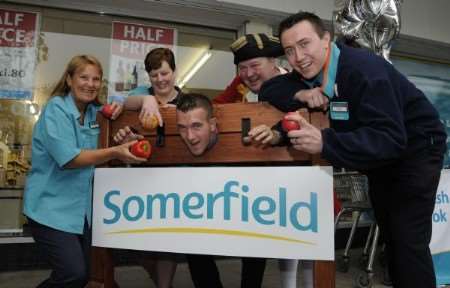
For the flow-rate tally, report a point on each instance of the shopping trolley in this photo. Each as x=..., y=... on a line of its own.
x=352, y=189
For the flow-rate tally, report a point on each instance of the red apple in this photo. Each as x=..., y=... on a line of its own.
x=289, y=125
x=142, y=149
x=107, y=110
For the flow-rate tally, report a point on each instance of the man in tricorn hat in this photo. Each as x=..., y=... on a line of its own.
x=255, y=56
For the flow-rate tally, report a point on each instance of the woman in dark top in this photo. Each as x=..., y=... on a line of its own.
x=161, y=69
x=160, y=66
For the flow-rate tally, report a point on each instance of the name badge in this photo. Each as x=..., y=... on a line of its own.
x=93, y=125
x=339, y=111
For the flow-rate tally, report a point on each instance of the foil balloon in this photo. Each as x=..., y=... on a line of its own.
x=372, y=24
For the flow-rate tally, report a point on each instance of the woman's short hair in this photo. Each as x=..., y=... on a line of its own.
x=155, y=57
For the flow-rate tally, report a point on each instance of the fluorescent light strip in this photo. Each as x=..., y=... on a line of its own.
x=195, y=68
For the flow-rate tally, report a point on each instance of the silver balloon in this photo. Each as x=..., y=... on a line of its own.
x=371, y=24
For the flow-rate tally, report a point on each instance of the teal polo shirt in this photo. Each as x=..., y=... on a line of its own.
x=54, y=196
x=138, y=91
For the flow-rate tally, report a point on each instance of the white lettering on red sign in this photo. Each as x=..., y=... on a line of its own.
x=11, y=20
x=142, y=33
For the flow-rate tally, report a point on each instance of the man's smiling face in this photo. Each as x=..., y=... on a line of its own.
x=196, y=130
x=306, y=52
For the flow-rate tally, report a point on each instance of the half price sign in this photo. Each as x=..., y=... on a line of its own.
x=18, y=38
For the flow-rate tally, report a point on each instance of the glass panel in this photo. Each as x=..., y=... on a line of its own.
x=204, y=64
x=434, y=80
x=34, y=53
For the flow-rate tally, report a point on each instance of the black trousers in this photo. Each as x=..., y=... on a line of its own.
x=403, y=197
x=204, y=272
x=67, y=254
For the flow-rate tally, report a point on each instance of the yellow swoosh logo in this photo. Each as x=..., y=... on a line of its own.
x=211, y=231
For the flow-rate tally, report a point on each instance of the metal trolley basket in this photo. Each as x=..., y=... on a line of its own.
x=352, y=189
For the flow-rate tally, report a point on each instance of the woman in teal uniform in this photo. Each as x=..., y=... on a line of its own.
x=58, y=191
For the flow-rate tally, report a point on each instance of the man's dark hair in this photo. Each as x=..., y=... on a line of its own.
x=316, y=22
x=190, y=101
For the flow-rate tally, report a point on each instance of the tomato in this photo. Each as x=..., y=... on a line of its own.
x=289, y=125
x=107, y=110
x=141, y=149
x=149, y=123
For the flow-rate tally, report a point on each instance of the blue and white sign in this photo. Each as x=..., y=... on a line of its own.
x=270, y=212
x=440, y=240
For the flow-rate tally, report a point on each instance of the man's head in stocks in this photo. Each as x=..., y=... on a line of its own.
x=196, y=123
x=255, y=56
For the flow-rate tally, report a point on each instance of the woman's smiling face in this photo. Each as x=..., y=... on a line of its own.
x=85, y=84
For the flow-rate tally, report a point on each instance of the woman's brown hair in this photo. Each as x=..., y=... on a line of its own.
x=154, y=59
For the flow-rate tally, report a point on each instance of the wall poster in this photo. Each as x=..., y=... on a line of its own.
x=18, y=51
x=130, y=44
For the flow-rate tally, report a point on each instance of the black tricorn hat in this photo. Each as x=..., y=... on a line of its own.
x=256, y=45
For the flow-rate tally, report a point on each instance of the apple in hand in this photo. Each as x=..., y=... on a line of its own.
x=142, y=149
x=150, y=123
x=107, y=110
x=289, y=125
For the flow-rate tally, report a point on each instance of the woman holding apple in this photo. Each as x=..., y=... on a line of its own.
x=58, y=190
x=161, y=69
x=160, y=66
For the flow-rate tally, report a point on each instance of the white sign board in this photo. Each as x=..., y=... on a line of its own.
x=440, y=240
x=270, y=212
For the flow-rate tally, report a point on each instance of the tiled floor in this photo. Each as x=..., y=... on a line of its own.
x=136, y=277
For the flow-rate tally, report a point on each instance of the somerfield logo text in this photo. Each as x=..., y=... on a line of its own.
x=264, y=210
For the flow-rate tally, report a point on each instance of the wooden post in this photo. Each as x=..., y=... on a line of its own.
x=324, y=271
x=228, y=150
x=324, y=274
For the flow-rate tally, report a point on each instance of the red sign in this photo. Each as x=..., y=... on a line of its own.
x=136, y=40
x=17, y=29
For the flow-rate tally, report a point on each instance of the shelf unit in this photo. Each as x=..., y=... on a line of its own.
x=11, y=218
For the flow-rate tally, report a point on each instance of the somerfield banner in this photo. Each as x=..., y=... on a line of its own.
x=270, y=212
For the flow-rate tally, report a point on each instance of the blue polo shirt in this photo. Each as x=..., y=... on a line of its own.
x=140, y=90
x=54, y=196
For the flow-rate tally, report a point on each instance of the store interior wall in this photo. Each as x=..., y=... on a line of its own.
x=68, y=32
x=423, y=19
x=64, y=34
